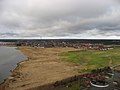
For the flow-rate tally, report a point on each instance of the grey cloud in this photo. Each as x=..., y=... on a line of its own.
x=59, y=18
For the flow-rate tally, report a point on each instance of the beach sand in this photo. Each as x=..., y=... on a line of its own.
x=43, y=66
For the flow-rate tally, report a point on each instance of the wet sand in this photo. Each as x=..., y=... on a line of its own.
x=43, y=66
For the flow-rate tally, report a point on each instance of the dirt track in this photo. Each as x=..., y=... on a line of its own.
x=43, y=67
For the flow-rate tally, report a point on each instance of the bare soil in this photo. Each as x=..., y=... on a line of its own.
x=43, y=66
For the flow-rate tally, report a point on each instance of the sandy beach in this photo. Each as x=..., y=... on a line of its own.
x=43, y=66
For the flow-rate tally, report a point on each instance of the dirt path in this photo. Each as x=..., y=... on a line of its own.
x=44, y=66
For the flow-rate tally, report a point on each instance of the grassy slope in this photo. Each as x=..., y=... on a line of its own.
x=93, y=58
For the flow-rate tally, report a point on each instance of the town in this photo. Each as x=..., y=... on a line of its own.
x=58, y=43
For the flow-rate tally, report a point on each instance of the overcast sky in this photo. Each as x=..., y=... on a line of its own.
x=82, y=19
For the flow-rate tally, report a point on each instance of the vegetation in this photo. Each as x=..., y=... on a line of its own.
x=91, y=59
x=75, y=86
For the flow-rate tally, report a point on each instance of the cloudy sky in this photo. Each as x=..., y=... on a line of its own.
x=82, y=19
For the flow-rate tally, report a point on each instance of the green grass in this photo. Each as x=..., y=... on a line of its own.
x=93, y=58
x=75, y=86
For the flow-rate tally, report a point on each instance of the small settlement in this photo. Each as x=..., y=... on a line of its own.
x=74, y=44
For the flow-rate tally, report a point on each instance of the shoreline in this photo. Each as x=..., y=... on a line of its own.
x=7, y=80
x=16, y=73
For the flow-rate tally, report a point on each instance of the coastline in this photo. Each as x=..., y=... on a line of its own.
x=5, y=83
x=17, y=74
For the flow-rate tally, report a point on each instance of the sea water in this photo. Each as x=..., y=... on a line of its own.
x=9, y=57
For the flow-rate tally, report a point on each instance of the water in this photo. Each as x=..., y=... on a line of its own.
x=9, y=57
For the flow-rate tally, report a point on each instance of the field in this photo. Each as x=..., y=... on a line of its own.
x=43, y=67
x=92, y=59
x=48, y=65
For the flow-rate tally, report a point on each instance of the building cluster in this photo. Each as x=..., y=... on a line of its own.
x=89, y=46
x=49, y=43
x=52, y=43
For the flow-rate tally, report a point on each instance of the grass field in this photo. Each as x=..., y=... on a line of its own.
x=91, y=59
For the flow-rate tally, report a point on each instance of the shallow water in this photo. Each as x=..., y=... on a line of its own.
x=9, y=57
